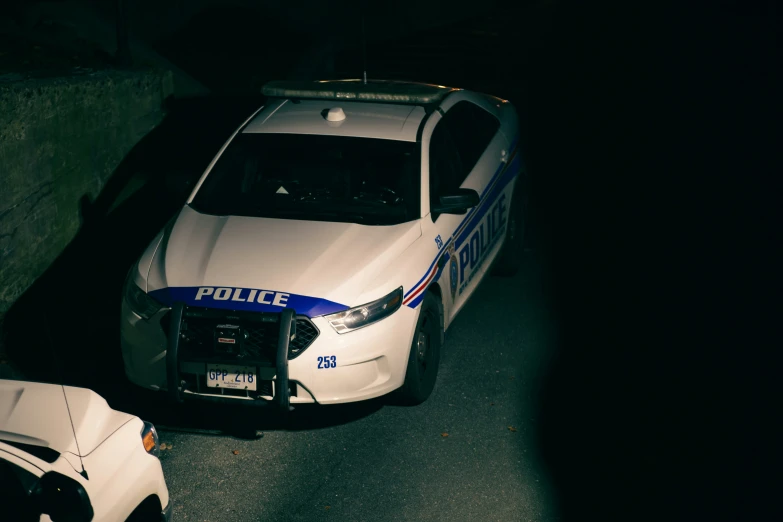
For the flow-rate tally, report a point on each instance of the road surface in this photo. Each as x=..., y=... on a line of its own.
x=468, y=453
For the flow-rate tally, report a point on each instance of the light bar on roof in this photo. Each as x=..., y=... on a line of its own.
x=356, y=90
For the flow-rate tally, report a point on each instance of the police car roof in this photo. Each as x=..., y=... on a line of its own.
x=362, y=119
x=378, y=109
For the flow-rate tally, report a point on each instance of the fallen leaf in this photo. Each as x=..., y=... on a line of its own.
x=327, y=507
x=235, y=452
x=512, y=428
x=444, y=434
x=163, y=446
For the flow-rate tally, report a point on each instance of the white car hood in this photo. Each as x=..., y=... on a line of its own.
x=37, y=414
x=263, y=264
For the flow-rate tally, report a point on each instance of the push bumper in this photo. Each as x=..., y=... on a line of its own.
x=174, y=384
x=370, y=362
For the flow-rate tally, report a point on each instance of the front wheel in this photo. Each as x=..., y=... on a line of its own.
x=424, y=356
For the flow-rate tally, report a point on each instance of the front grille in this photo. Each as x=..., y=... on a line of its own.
x=306, y=333
x=258, y=344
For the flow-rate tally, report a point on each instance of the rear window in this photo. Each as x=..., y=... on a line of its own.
x=322, y=178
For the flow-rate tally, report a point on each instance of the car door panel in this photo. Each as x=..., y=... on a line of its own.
x=478, y=238
x=461, y=256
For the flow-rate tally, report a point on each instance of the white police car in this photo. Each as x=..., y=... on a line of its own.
x=66, y=455
x=328, y=246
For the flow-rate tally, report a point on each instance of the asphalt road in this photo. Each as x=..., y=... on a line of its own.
x=468, y=453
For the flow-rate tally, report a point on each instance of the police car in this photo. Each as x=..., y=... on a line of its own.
x=328, y=247
x=66, y=455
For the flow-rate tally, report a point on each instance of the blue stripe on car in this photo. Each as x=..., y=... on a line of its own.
x=246, y=299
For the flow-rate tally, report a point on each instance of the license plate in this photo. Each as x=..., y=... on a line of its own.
x=231, y=377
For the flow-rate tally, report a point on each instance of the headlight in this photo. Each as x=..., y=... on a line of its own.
x=142, y=304
x=364, y=315
x=150, y=440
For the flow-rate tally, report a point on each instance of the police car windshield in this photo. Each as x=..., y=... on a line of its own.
x=323, y=178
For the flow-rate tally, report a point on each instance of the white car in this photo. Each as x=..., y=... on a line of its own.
x=328, y=247
x=66, y=455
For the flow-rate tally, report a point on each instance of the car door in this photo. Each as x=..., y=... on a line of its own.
x=466, y=150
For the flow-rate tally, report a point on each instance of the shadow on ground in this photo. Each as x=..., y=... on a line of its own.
x=238, y=420
x=65, y=327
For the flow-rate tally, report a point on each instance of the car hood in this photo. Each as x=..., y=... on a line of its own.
x=263, y=264
x=37, y=414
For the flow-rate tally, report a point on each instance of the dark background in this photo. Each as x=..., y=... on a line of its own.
x=651, y=126
x=649, y=133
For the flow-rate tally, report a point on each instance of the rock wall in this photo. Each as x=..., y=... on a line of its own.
x=60, y=140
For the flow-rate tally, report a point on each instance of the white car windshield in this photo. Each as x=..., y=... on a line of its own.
x=322, y=178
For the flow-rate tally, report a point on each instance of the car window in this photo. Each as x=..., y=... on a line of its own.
x=324, y=178
x=446, y=170
x=473, y=129
x=15, y=486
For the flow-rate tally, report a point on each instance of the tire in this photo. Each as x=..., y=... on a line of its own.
x=424, y=355
x=510, y=257
x=148, y=511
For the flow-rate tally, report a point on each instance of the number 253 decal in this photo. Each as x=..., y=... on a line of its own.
x=328, y=361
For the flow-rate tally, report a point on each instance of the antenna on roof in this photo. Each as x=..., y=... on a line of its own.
x=83, y=472
x=364, y=53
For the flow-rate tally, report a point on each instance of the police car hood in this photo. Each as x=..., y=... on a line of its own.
x=263, y=264
x=37, y=414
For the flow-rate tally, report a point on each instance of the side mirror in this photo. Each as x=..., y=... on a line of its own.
x=62, y=498
x=456, y=202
